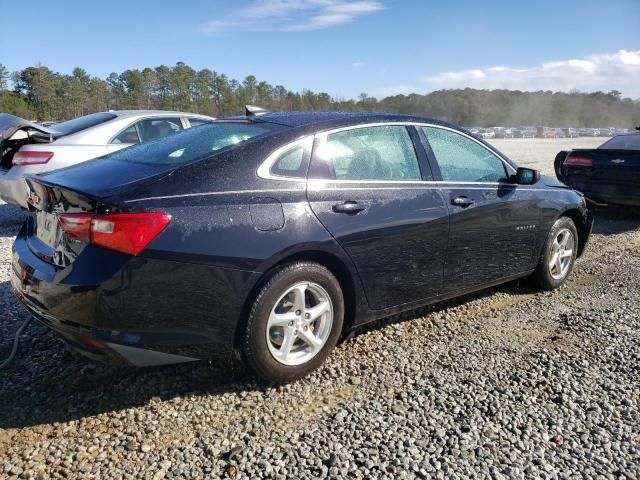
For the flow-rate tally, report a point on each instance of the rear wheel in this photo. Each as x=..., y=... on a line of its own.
x=294, y=323
x=559, y=255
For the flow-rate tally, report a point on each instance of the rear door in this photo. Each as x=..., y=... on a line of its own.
x=366, y=186
x=493, y=223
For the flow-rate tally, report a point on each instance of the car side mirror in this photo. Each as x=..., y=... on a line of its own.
x=526, y=176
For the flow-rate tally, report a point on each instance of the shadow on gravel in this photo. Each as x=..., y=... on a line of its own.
x=613, y=220
x=47, y=382
x=72, y=387
x=523, y=287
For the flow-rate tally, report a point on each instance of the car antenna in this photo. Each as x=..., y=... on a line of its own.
x=253, y=111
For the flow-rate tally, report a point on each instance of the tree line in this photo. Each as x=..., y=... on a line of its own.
x=41, y=94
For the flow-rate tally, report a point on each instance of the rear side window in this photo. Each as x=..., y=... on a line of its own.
x=128, y=135
x=623, y=142
x=82, y=123
x=292, y=163
x=461, y=159
x=196, y=122
x=369, y=153
x=193, y=143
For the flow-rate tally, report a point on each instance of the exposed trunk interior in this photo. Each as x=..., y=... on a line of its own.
x=16, y=132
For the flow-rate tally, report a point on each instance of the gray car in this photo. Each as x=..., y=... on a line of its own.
x=28, y=148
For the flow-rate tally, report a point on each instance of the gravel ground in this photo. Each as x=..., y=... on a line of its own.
x=506, y=383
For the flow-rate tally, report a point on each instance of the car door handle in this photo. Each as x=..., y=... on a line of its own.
x=349, y=207
x=463, y=201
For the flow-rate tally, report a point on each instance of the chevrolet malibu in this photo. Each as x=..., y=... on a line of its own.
x=276, y=233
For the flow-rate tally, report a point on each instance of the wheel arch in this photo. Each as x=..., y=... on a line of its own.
x=583, y=223
x=332, y=262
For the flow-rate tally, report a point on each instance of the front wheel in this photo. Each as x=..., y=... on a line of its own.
x=558, y=255
x=294, y=323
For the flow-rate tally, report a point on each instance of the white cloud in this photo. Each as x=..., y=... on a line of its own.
x=358, y=64
x=609, y=71
x=292, y=15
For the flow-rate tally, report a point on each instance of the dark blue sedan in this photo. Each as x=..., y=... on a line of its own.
x=276, y=233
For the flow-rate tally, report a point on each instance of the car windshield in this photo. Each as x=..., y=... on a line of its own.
x=194, y=143
x=623, y=142
x=82, y=123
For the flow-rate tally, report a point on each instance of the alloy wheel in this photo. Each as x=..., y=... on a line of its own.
x=299, y=324
x=561, y=254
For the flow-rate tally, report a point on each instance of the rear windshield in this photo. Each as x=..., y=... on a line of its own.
x=82, y=123
x=623, y=142
x=193, y=143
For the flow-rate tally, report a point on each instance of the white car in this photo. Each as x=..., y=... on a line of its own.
x=487, y=133
x=28, y=148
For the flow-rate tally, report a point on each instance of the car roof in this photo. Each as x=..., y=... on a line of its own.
x=329, y=119
x=162, y=113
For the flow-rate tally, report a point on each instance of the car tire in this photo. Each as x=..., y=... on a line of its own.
x=286, y=336
x=558, y=255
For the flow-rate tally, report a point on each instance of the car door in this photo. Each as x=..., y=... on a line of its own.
x=494, y=223
x=366, y=187
x=145, y=130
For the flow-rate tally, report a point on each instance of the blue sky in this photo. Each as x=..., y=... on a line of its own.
x=342, y=47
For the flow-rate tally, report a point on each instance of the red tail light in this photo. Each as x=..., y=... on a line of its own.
x=125, y=232
x=31, y=157
x=578, y=161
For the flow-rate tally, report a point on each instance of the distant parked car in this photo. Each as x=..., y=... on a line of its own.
x=571, y=132
x=28, y=148
x=487, y=133
x=606, y=132
x=607, y=174
x=560, y=133
x=525, y=132
x=475, y=131
x=502, y=132
x=546, y=132
x=589, y=132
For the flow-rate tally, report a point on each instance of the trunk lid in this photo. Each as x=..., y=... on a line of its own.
x=104, y=177
x=15, y=132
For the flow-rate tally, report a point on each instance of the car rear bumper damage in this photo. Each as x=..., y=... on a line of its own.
x=122, y=320
x=13, y=188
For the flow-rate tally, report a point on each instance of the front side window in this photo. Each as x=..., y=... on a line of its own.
x=463, y=160
x=369, y=153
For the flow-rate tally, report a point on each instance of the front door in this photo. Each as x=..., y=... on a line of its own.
x=493, y=223
x=366, y=187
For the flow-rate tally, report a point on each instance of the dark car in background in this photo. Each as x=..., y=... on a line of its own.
x=275, y=234
x=525, y=132
x=609, y=174
x=546, y=132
